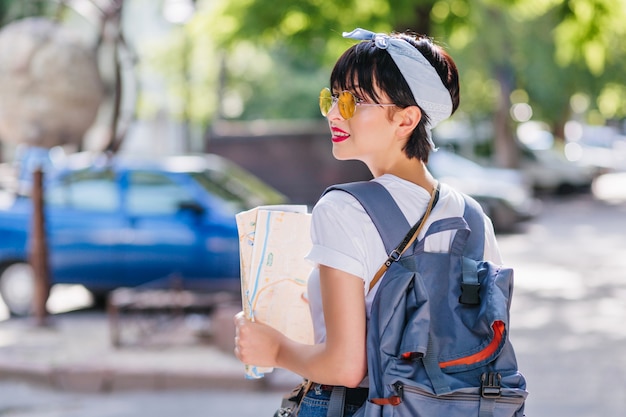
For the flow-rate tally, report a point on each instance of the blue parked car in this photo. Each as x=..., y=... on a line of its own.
x=124, y=222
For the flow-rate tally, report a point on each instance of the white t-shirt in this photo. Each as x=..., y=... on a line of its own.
x=345, y=238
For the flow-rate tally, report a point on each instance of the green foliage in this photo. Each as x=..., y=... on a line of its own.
x=312, y=27
x=11, y=10
x=552, y=48
x=612, y=101
x=248, y=59
x=588, y=29
x=287, y=89
x=189, y=62
x=278, y=56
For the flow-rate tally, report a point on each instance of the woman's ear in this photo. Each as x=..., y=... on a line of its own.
x=408, y=119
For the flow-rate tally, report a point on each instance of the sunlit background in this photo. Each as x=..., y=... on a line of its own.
x=539, y=138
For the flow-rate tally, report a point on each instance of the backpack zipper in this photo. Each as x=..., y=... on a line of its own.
x=401, y=389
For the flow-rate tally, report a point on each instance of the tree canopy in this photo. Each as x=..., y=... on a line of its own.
x=537, y=52
x=250, y=59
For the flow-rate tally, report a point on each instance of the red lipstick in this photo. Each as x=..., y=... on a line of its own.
x=339, y=135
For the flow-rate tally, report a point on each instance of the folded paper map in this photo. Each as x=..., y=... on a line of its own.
x=273, y=241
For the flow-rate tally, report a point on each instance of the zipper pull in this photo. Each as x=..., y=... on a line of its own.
x=399, y=388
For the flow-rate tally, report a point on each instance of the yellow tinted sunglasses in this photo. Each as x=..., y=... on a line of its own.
x=346, y=101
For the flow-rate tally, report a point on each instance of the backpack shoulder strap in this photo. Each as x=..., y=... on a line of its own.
x=473, y=215
x=473, y=253
x=382, y=209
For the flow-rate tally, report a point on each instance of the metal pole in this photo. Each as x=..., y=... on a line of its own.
x=39, y=252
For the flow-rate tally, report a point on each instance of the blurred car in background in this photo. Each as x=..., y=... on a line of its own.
x=603, y=148
x=504, y=194
x=547, y=167
x=124, y=222
x=541, y=162
x=550, y=171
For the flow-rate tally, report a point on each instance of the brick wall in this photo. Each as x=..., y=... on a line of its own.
x=293, y=157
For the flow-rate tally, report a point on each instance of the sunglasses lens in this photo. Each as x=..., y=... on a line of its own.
x=326, y=101
x=345, y=101
x=347, y=105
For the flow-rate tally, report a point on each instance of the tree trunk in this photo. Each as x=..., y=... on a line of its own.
x=506, y=152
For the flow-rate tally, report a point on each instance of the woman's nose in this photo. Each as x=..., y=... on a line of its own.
x=334, y=113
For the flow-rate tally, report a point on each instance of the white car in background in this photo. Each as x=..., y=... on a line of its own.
x=603, y=148
x=504, y=194
x=550, y=171
x=548, y=168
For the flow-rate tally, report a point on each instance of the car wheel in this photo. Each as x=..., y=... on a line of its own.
x=17, y=287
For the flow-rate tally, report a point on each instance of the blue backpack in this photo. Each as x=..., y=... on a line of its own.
x=437, y=340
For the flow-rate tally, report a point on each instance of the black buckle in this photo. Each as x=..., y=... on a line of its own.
x=490, y=385
x=470, y=293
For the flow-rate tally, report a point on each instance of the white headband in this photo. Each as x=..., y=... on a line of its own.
x=426, y=85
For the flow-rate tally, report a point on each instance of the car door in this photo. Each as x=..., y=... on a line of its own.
x=85, y=229
x=163, y=240
x=222, y=197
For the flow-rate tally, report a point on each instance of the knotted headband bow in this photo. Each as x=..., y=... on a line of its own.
x=426, y=85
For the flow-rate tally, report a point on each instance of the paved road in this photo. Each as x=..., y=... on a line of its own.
x=567, y=327
x=22, y=400
x=569, y=308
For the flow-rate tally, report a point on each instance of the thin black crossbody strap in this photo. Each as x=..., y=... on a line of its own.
x=408, y=239
x=387, y=217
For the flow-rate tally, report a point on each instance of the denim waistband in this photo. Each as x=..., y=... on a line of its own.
x=354, y=396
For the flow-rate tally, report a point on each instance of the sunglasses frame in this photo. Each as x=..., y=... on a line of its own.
x=347, y=107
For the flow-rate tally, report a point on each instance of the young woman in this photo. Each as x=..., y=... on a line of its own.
x=386, y=93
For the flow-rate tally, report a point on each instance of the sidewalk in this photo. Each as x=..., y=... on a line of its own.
x=74, y=353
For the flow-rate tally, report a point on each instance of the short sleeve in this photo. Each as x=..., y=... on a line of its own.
x=491, y=249
x=338, y=234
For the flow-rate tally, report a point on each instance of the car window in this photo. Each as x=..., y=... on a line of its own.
x=216, y=184
x=154, y=193
x=239, y=190
x=85, y=190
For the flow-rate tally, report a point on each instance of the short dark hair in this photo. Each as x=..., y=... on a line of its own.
x=364, y=66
